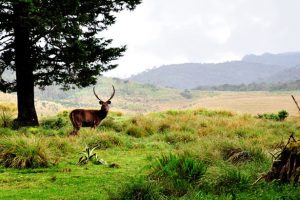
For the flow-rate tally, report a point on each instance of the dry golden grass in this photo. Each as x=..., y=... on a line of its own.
x=250, y=102
x=240, y=102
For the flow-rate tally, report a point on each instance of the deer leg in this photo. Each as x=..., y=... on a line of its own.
x=76, y=128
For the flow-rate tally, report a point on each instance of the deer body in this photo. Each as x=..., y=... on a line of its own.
x=90, y=118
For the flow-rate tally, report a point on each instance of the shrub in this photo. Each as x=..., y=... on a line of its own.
x=280, y=116
x=23, y=152
x=55, y=123
x=7, y=112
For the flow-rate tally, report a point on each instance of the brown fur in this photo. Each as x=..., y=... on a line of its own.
x=89, y=118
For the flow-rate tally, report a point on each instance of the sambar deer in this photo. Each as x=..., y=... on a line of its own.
x=90, y=118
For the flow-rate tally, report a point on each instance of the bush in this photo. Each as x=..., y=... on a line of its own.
x=55, y=123
x=23, y=152
x=280, y=116
x=7, y=112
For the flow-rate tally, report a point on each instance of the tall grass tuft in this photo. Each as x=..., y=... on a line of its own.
x=231, y=181
x=103, y=140
x=179, y=167
x=140, y=190
x=7, y=111
x=23, y=152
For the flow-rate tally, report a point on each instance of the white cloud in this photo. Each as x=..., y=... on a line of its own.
x=175, y=31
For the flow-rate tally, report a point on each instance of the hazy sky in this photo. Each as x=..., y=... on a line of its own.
x=162, y=32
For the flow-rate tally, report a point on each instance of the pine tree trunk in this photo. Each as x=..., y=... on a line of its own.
x=24, y=68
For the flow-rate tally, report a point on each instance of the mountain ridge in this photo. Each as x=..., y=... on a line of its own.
x=252, y=68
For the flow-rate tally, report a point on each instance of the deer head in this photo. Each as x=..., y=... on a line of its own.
x=105, y=104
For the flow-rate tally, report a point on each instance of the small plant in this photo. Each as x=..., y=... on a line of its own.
x=89, y=155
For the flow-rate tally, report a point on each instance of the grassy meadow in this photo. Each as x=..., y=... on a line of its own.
x=175, y=154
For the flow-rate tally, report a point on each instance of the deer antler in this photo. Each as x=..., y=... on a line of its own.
x=96, y=94
x=113, y=94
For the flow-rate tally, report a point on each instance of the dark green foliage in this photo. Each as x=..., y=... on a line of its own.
x=55, y=123
x=280, y=116
x=63, y=38
x=58, y=122
x=231, y=181
x=55, y=43
x=140, y=190
x=179, y=167
x=281, y=86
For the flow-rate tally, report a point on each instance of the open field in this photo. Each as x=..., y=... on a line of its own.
x=251, y=102
x=163, y=155
x=136, y=98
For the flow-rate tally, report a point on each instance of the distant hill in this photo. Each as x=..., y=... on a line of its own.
x=192, y=75
x=251, y=69
x=284, y=59
x=290, y=74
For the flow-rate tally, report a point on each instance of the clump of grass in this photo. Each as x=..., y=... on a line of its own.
x=179, y=137
x=231, y=181
x=7, y=111
x=24, y=152
x=135, y=131
x=210, y=113
x=103, y=141
x=179, y=167
x=109, y=123
x=139, y=190
x=163, y=127
x=177, y=174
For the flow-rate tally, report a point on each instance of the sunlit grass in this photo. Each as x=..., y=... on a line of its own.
x=131, y=144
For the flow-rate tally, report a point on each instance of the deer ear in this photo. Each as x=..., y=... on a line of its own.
x=101, y=102
x=109, y=102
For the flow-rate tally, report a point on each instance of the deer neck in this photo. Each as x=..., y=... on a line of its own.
x=103, y=113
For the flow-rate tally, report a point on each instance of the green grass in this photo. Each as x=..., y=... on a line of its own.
x=164, y=155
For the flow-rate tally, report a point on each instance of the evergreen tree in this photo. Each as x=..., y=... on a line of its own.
x=46, y=42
